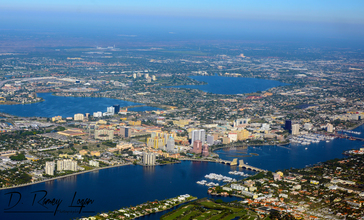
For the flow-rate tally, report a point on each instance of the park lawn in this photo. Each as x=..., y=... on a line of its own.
x=179, y=212
x=212, y=205
x=206, y=215
x=217, y=217
x=193, y=213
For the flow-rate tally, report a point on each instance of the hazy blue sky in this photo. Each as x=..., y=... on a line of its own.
x=337, y=18
x=306, y=10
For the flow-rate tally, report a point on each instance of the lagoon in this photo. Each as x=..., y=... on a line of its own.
x=232, y=85
x=67, y=106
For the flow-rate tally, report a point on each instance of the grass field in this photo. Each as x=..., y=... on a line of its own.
x=206, y=209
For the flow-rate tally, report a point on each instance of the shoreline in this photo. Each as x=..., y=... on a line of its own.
x=68, y=175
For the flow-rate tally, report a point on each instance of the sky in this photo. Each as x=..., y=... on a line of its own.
x=330, y=18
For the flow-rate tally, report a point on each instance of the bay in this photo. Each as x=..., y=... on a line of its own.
x=68, y=106
x=232, y=85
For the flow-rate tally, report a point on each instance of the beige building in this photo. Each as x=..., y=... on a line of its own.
x=104, y=134
x=67, y=165
x=78, y=117
x=329, y=128
x=49, y=168
x=295, y=129
x=243, y=134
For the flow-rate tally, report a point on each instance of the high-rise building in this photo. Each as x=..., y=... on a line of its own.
x=210, y=140
x=205, y=150
x=116, y=109
x=110, y=110
x=78, y=117
x=288, y=125
x=295, y=129
x=67, y=165
x=197, y=147
x=170, y=144
x=97, y=114
x=243, y=135
x=94, y=163
x=49, y=168
x=125, y=132
x=198, y=135
x=329, y=128
x=148, y=159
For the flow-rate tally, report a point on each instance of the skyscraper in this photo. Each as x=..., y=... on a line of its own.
x=205, y=150
x=197, y=147
x=288, y=125
x=198, y=135
x=125, y=132
x=148, y=158
x=49, y=168
x=295, y=129
x=170, y=144
x=116, y=109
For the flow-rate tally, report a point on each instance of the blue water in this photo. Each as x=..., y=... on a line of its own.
x=232, y=85
x=67, y=106
x=119, y=187
x=115, y=188
x=296, y=156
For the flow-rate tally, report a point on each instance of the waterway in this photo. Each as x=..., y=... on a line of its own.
x=67, y=106
x=114, y=188
x=232, y=85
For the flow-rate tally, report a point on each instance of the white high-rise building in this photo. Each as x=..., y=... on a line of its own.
x=94, y=163
x=97, y=114
x=210, y=140
x=329, y=128
x=170, y=144
x=198, y=135
x=67, y=165
x=49, y=168
x=295, y=129
x=78, y=117
x=148, y=159
x=111, y=110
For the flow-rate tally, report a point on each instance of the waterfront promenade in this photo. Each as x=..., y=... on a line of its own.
x=65, y=176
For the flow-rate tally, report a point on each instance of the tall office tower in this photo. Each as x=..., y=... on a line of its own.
x=170, y=144
x=116, y=109
x=198, y=135
x=288, y=125
x=329, y=128
x=111, y=109
x=197, y=147
x=295, y=129
x=134, y=75
x=78, y=117
x=148, y=159
x=125, y=132
x=210, y=140
x=49, y=168
x=205, y=150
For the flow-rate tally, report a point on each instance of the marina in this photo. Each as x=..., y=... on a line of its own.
x=310, y=139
